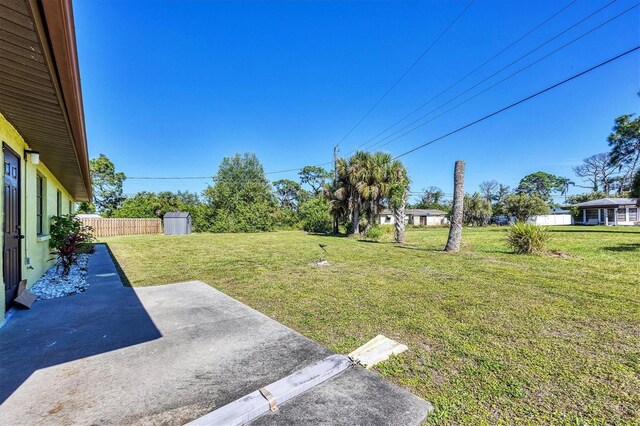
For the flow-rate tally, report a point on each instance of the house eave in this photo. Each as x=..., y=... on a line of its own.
x=40, y=85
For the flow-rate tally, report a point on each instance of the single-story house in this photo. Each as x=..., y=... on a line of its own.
x=42, y=130
x=609, y=211
x=418, y=217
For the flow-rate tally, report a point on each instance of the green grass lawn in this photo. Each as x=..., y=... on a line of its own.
x=494, y=337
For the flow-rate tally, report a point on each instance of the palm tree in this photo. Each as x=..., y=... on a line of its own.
x=564, y=184
x=455, y=230
x=356, y=176
x=364, y=183
x=339, y=195
x=374, y=188
x=397, y=196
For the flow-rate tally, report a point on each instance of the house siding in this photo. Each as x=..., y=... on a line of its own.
x=388, y=219
x=35, y=253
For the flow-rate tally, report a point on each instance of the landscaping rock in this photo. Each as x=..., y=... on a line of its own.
x=52, y=284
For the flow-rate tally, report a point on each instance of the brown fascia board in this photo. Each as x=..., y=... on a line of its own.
x=54, y=21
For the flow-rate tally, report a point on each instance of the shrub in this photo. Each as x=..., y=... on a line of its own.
x=69, y=238
x=477, y=210
x=285, y=218
x=314, y=215
x=374, y=233
x=527, y=237
x=523, y=206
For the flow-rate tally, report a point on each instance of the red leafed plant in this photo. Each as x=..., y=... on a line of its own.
x=69, y=238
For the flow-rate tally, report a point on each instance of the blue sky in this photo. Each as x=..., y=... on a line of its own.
x=172, y=87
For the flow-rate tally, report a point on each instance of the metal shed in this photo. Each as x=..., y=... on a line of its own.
x=177, y=223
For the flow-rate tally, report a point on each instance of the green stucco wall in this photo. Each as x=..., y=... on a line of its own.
x=35, y=250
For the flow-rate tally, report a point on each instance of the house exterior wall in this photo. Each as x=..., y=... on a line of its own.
x=552, y=219
x=35, y=249
x=385, y=219
x=622, y=216
x=437, y=220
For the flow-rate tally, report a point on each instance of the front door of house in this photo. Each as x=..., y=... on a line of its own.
x=12, y=233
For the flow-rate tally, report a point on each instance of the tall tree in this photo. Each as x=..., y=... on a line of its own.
x=501, y=195
x=624, y=141
x=365, y=182
x=240, y=200
x=635, y=186
x=339, y=193
x=107, y=185
x=488, y=189
x=375, y=184
x=563, y=186
x=397, y=195
x=542, y=184
x=288, y=193
x=431, y=198
x=455, y=230
x=315, y=177
x=356, y=175
x=597, y=170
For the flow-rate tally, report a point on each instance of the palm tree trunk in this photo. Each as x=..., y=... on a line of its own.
x=372, y=215
x=355, y=220
x=398, y=218
x=455, y=230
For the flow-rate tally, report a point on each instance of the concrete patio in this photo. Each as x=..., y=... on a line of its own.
x=167, y=355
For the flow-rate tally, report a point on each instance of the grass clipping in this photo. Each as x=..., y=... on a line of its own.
x=526, y=238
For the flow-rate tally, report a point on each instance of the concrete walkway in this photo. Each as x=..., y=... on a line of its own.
x=167, y=355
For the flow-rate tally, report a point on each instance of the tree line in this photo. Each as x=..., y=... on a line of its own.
x=240, y=198
x=605, y=174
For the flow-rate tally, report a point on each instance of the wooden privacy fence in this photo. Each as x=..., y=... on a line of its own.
x=122, y=226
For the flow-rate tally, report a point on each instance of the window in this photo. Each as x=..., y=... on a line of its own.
x=622, y=215
x=387, y=219
x=70, y=207
x=592, y=214
x=633, y=214
x=40, y=206
x=59, y=203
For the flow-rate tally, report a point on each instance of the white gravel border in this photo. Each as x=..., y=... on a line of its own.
x=52, y=284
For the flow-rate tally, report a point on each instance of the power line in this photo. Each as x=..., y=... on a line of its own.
x=483, y=80
x=459, y=129
x=455, y=131
x=212, y=177
x=407, y=71
x=166, y=177
x=331, y=162
x=490, y=87
x=468, y=74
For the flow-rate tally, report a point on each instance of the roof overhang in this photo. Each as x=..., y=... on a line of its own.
x=607, y=203
x=40, y=90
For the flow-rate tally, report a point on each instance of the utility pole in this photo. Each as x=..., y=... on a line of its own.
x=335, y=182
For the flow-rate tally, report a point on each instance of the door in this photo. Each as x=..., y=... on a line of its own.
x=12, y=233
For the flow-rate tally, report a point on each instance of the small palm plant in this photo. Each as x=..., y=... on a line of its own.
x=525, y=237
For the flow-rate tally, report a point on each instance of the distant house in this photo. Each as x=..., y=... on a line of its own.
x=418, y=217
x=609, y=211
